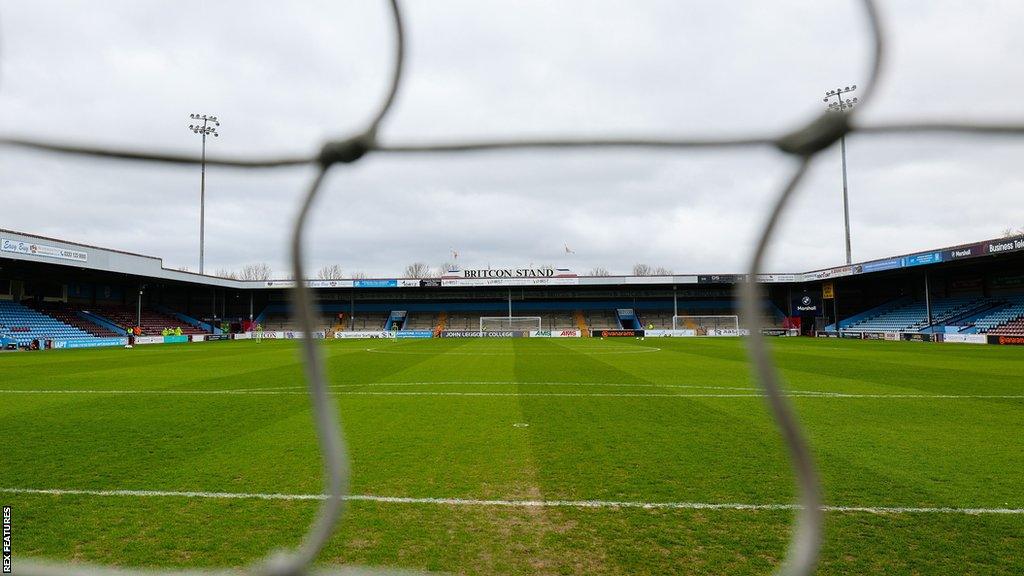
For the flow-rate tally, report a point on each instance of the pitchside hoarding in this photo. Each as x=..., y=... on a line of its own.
x=90, y=342
x=414, y=334
x=616, y=333
x=1006, y=340
x=365, y=334
x=479, y=334
x=555, y=334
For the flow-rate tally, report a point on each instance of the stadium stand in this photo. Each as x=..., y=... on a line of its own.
x=463, y=321
x=152, y=321
x=23, y=325
x=280, y=320
x=368, y=321
x=69, y=316
x=1007, y=320
x=602, y=320
x=912, y=316
x=421, y=321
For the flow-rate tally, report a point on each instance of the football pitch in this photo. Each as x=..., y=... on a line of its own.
x=519, y=456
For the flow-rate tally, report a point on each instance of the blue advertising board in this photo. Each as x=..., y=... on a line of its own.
x=920, y=259
x=90, y=342
x=877, y=265
x=414, y=334
x=375, y=283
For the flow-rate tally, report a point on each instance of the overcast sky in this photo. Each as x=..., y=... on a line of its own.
x=284, y=76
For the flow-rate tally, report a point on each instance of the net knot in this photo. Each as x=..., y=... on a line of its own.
x=345, y=151
x=816, y=136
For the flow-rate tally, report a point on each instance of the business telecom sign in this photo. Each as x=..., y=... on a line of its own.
x=1005, y=245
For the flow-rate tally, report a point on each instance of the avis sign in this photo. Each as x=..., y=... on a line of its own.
x=555, y=334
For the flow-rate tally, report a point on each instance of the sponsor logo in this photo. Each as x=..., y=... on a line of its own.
x=554, y=333
x=874, y=335
x=618, y=333
x=365, y=334
x=965, y=338
x=90, y=342
x=727, y=332
x=414, y=334
x=1006, y=246
x=921, y=259
x=1011, y=340
x=391, y=283
x=32, y=249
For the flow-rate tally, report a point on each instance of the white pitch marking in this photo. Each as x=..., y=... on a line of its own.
x=515, y=503
x=594, y=351
x=272, y=392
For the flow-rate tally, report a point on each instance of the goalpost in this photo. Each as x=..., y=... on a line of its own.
x=509, y=323
x=702, y=324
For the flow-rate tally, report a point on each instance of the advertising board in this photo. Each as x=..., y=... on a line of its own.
x=879, y=265
x=414, y=334
x=176, y=339
x=727, y=332
x=149, y=339
x=917, y=337
x=1004, y=245
x=555, y=333
x=479, y=334
x=90, y=342
x=681, y=333
x=921, y=259
x=616, y=333
x=965, y=338
x=1006, y=340
x=892, y=336
x=377, y=283
x=33, y=249
x=365, y=334
x=242, y=336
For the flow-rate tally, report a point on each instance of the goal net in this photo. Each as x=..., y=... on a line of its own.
x=708, y=325
x=509, y=323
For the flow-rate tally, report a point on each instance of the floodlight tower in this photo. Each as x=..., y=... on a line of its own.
x=840, y=106
x=208, y=127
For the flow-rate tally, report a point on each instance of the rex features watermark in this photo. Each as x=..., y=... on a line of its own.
x=7, y=540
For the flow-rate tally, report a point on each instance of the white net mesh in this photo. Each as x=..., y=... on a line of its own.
x=701, y=325
x=509, y=323
x=802, y=145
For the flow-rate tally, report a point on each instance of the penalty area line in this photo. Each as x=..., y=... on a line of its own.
x=881, y=510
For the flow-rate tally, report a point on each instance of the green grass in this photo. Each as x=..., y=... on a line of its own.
x=619, y=438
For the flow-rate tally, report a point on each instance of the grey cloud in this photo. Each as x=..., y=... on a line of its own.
x=284, y=77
